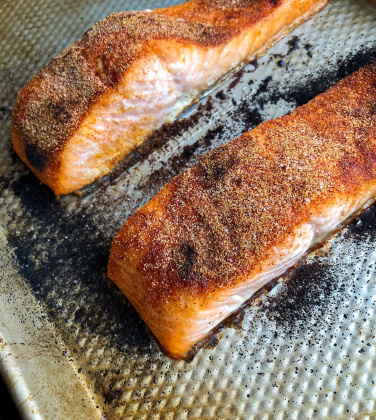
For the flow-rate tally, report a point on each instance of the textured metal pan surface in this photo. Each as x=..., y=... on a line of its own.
x=71, y=346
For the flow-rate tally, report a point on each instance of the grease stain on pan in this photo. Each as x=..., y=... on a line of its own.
x=52, y=245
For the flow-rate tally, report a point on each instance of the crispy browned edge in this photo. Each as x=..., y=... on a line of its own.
x=176, y=245
x=54, y=103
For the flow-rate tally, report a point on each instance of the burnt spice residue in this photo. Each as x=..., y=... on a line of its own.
x=236, y=80
x=64, y=258
x=4, y=112
x=309, y=49
x=293, y=44
x=363, y=226
x=324, y=79
x=308, y=290
x=302, y=92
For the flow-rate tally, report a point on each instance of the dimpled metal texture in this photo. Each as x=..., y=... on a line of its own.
x=305, y=346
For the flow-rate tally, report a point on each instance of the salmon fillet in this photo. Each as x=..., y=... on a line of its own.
x=247, y=212
x=132, y=72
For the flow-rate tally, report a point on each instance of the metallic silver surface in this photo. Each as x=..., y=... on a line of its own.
x=72, y=347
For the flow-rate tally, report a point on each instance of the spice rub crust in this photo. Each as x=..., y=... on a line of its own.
x=54, y=103
x=217, y=223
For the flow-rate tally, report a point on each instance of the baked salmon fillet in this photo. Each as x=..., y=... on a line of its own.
x=246, y=213
x=131, y=73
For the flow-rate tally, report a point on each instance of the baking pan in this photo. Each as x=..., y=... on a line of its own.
x=72, y=347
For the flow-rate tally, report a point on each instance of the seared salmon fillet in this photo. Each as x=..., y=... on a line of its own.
x=131, y=73
x=246, y=213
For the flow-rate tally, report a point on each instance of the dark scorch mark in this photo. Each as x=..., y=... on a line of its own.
x=35, y=158
x=58, y=251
